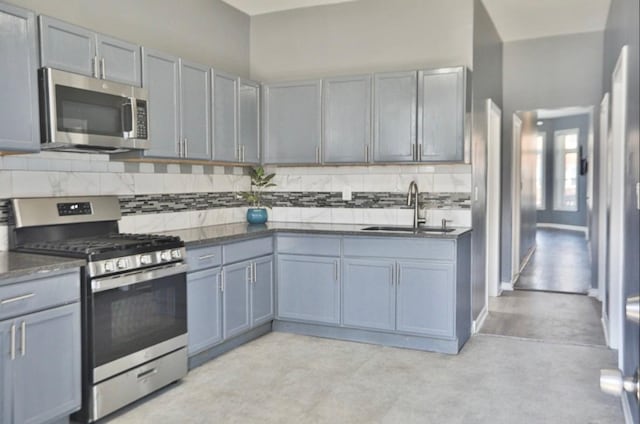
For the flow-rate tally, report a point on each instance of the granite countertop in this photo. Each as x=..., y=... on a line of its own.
x=239, y=231
x=14, y=265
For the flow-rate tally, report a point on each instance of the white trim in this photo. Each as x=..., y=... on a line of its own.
x=605, y=328
x=516, y=182
x=493, y=200
x=506, y=286
x=595, y=293
x=602, y=200
x=626, y=408
x=477, y=323
x=559, y=171
x=562, y=227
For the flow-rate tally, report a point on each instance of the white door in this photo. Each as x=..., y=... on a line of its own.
x=494, y=117
x=603, y=205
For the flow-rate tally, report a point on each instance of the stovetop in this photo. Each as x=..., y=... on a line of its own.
x=101, y=247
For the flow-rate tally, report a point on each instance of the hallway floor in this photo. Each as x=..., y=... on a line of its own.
x=560, y=263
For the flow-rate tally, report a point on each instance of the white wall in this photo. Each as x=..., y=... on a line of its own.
x=361, y=36
x=206, y=31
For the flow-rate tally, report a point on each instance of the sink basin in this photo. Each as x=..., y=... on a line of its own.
x=409, y=229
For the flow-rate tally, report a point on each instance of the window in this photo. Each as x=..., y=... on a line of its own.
x=565, y=170
x=540, y=171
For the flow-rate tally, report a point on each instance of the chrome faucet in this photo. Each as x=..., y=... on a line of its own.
x=413, y=191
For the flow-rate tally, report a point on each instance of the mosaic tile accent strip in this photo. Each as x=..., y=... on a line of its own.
x=159, y=203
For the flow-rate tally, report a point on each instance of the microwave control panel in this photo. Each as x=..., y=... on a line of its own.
x=141, y=119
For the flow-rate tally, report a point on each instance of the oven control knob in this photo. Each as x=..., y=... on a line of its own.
x=122, y=263
x=165, y=255
x=108, y=266
x=176, y=254
x=145, y=259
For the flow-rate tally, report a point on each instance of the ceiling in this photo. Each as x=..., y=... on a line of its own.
x=514, y=19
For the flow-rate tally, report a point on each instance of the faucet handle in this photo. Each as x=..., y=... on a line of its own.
x=444, y=222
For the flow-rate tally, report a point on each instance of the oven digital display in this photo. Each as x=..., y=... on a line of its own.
x=79, y=208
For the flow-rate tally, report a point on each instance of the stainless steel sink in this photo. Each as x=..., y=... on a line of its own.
x=409, y=229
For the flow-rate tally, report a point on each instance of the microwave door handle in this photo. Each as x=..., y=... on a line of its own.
x=131, y=132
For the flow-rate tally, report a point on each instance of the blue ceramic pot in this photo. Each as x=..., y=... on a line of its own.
x=256, y=215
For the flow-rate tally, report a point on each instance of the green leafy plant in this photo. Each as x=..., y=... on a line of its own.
x=259, y=182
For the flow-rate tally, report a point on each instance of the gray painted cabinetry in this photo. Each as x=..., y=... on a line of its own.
x=249, y=120
x=40, y=349
x=225, y=117
x=75, y=49
x=195, y=101
x=346, y=111
x=236, y=299
x=292, y=115
x=204, y=309
x=368, y=294
x=19, y=129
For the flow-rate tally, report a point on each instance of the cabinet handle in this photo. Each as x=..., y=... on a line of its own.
x=397, y=275
x=13, y=341
x=336, y=270
x=103, y=74
x=413, y=149
x=186, y=147
x=222, y=281
x=17, y=298
x=419, y=158
x=204, y=257
x=317, y=154
x=243, y=153
x=366, y=153
x=23, y=340
x=255, y=272
x=94, y=64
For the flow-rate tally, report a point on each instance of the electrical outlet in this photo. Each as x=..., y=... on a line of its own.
x=346, y=193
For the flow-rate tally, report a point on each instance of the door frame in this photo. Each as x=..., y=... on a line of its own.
x=619, y=89
x=516, y=191
x=493, y=232
x=603, y=208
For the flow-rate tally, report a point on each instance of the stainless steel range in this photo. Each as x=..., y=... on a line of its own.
x=134, y=307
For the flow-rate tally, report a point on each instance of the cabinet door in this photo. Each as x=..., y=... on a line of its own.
x=194, y=107
x=309, y=288
x=67, y=47
x=6, y=371
x=235, y=299
x=262, y=292
x=441, y=114
x=347, y=119
x=425, y=302
x=249, y=120
x=369, y=293
x=394, y=122
x=119, y=60
x=162, y=80
x=47, y=366
x=19, y=121
x=225, y=143
x=204, y=309
x=292, y=122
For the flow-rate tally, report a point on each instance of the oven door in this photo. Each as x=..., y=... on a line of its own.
x=137, y=317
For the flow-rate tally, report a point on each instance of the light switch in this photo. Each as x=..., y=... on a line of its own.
x=346, y=193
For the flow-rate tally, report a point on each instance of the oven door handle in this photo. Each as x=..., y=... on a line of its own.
x=137, y=277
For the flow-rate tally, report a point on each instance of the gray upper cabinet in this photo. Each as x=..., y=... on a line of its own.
x=441, y=110
x=394, y=122
x=75, y=49
x=194, y=109
x=292, y=116
x=249, y=120
x=204, y=309
x=346, y=119
x=162, y=80
x=225, y=107
x=19, y=128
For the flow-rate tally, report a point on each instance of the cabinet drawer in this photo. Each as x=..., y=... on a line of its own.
x=204, y=257
x=309, y=245
x=243, y=250
x=400, y=248
x=37, y=294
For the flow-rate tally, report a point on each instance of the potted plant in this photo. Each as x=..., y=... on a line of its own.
x=260, y=181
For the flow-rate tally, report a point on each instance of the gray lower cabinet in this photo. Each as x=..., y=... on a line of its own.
x=368, y=293
x=225, y=120
x=76, y=49
x=195, y=103
x=40, y=361
x=249, y=120
x=19, y=128
x=292, y=116
x=394, y=121
x=262, y=292
x=204, y=318
x=441, y=114
x=161, y=72
x=309, y=288
x=426, y=298
x=346, y=111
x=236, y=292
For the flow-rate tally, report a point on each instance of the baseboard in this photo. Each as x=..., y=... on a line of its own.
x=594, y=293
x=506, y=286
x=477, y=323
x=626, y=408
x=578, y=228
x=605, y=329
x=526, y=259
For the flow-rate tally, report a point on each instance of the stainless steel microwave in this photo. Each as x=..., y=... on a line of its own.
x=79, y=113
